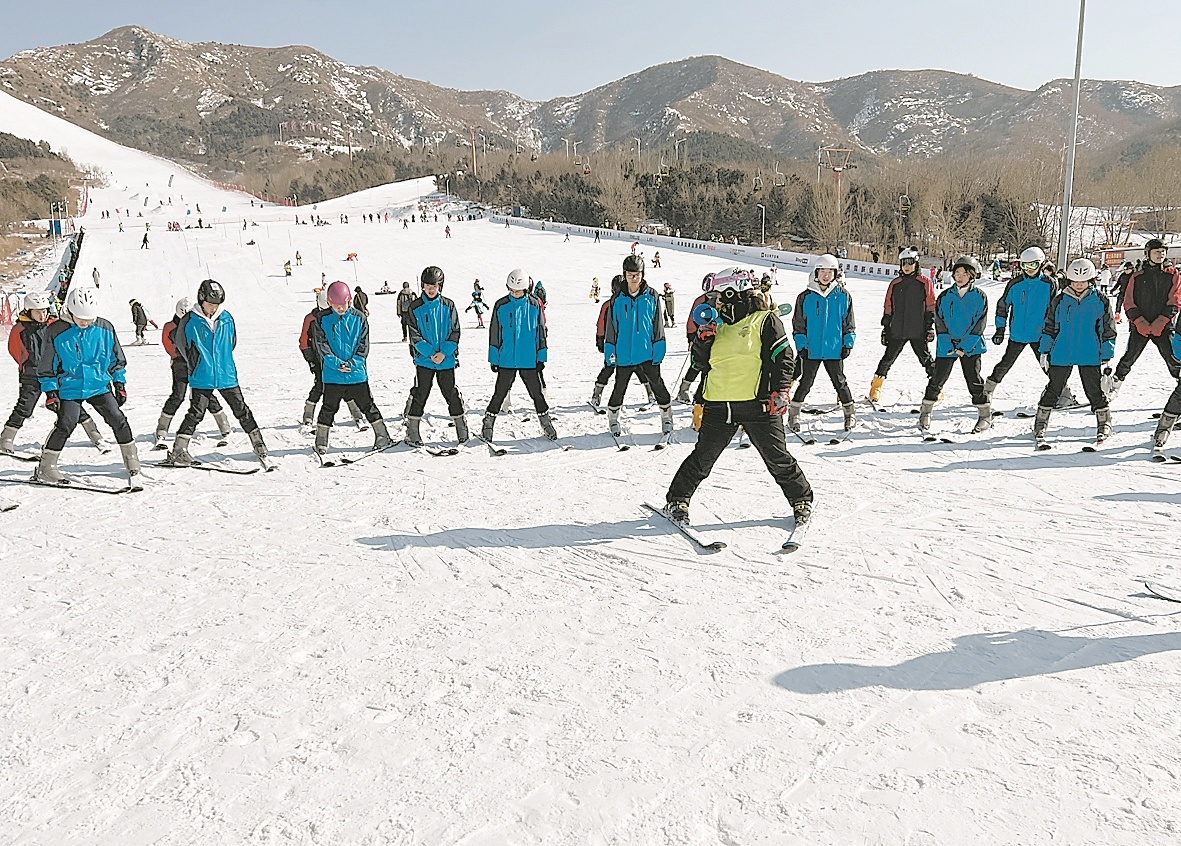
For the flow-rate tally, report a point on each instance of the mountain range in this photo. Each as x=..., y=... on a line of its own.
x=178, y=99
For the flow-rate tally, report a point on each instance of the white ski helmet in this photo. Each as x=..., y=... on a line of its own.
x=517, y=280
x=827, y=262
x=1081, y=270
x=908, y=254
x=322, y=298
x=183, y=306
x=36, y=299
x=1032, y=254
x=83, y=303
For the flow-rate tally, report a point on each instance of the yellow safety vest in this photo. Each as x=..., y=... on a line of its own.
x=736, y=360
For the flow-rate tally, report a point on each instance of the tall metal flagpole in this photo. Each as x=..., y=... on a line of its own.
x=1064, y=223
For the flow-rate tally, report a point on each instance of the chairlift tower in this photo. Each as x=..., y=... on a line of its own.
x=838, y=160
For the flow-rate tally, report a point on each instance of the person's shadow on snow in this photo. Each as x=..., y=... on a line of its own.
x=979, y=659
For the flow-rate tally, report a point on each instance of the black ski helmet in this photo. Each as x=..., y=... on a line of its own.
x=211, y=291
x=633, y=264
x=432, y=276
x=970, y=264
x=1154, y=244
x=618, y=283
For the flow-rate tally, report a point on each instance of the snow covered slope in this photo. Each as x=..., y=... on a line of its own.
x=482, y=650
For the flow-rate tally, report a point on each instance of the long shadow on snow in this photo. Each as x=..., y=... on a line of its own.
x=526, y=537
x=979, y=659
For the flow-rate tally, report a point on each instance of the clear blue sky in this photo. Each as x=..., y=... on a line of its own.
x=548, y=49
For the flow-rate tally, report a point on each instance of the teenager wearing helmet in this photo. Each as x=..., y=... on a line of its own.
x=205, y=338
x=517, y=346
x=434, y=345
x=341, y=339
x=83, y=362
x=824, y=331
x=1021, y=310
x=1079, y=331
x=139, y=316
x=478, y=306
x=908, y=317
x=960, y=316
x=180, y=381
x=617, y=284
x=633, y=341
x=1152, y=296
x=308, y=350
x=25, y=342
x=747, y=363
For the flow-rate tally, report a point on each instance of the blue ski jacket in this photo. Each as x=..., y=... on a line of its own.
x=823, y=324
x=81, y=363
x=207, y=344
x=516, y=335
x=633, y=329
x=959, y=322
x=434, y=328
x=1022, y=307
x=342, y=339
x=1079, y=331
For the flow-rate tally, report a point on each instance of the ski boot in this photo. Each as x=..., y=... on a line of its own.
x=1110, y=383
x=257, y=443
x=666, y=420
x=875, y=388
x=801, y=509
x=547, y=426
x=613, y=425
x=179, y=454
x=1041, y=422
x=793, y=416
x=461, y=433
x=677, y=510
x=6, y=439
x=321, y=445
x=1163, y=427
x=850, y=415
x=683, y=393
x=47, y=471
x=131, y=461
x=309, y=414
x=223, y=424
x=989, y=387
x=96, y=437
x=925, y=410
x=381, y=435
x=358, y=417
x=162, y=425
x=1066, y=399
x=1103, y=425
x=597, y=395
x=488, y=427
x=983, y=419
x=651, y=396
x=413, y=436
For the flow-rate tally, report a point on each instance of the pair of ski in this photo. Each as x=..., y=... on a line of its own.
x=1160, y=591
x=794, y=540
x=345, y=459
x=626, y=440
x=810, y=440
x=220, y=466
x=1160, y=457
x=1043, y=445
x=80, y=483
x=498, y=450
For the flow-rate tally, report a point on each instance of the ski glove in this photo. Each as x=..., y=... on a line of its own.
x=1044, y=361
x=778, y=403
x=540, y=366
x=52, y=401
x=706, y=332
x=930, y=335
x=495, y=368
x=845, y=352
x=885, y=339
x=999, y=337
x=120, y=390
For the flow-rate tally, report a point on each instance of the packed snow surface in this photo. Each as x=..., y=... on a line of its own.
x=479, y=650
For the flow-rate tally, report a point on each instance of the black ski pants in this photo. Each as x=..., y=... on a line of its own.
x=1012, y=353
x=1088, y=373
x=180, y=386
x=970, y=364
x=1136, y=345
x=605, y=375
x=26, y=404
x=334, y=395
x=200, y=404
x=317, y=390
x=70, y=412
x=650, y=370
x=505, y=377
x=719, y=422
x=424, y=378
x=894, y=348
x=809, y=367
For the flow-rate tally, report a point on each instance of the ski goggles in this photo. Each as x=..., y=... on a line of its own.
x=732, y=280
x=1031, y=268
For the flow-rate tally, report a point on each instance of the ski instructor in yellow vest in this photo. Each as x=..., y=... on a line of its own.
x=748, y=363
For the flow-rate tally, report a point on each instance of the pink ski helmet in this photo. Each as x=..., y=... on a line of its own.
x=339, y=293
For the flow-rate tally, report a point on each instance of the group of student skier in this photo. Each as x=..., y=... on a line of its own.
x=738, y=345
